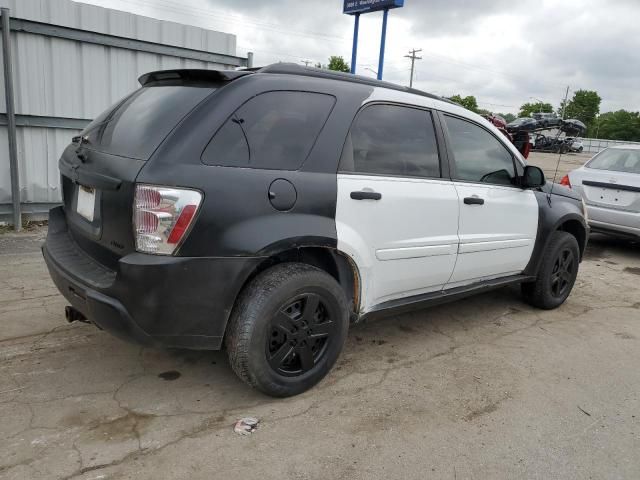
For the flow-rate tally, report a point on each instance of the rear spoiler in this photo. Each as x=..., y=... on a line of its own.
x=166, y=77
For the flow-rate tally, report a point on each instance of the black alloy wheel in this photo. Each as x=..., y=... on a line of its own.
x=562, y=275
x=300, y=334
x=287, y=329
x=557, y=272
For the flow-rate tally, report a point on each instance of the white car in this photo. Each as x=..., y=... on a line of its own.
x=610, y=185
x=576, y=145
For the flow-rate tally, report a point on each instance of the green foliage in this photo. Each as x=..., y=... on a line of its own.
x=336, y=63
x=469, y=102
x=509, y=117
x=584, y=106
x=528, y=108
x=620, y=125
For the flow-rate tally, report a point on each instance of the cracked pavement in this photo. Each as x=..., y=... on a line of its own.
x=487, y=387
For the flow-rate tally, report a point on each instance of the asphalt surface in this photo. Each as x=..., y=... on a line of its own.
x=486, y=388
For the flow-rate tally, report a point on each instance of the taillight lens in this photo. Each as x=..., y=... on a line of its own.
x=162, y=217
x=565, y=181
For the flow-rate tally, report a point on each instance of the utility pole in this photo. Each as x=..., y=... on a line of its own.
x=412, y=56
x=306, y=62
x=564, y=104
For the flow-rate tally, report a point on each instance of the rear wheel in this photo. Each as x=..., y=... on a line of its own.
x=287, y=329
x=557, y=274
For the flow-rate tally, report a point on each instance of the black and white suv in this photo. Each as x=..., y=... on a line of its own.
x=266, y=210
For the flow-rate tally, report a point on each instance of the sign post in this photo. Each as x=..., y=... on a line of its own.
x=356, y=7
x=354, y=49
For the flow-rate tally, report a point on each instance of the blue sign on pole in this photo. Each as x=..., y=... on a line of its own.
x=356, y=7
x=352, y=7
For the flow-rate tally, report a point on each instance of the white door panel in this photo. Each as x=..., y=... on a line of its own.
x=497, y=237
x=403, y=244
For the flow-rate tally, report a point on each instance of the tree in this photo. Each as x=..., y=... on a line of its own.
x=620, y=125
x=509, y=117
x=584, y=106
x=469, y=102
x=336, y=63
x=528, y=108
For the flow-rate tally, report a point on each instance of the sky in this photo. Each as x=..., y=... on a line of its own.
x=504, y=52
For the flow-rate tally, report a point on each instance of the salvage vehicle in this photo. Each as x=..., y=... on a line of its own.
x=610, y=186
x=266, y=210
x=577, y=145
x=523, y=124
x=547, y=120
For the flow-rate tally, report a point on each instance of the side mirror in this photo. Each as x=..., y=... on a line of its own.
x=533, y=177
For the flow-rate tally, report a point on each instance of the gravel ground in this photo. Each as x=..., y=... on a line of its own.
x=484, y=388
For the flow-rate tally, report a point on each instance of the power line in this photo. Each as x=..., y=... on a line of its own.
x=220, y=17
x=413, y=57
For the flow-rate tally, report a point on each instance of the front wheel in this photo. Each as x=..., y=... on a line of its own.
x=557, y=273
x=287, y=329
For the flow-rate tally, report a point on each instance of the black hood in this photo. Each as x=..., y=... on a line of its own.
x=560, y=190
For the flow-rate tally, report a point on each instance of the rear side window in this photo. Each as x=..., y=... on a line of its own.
x=136, y=126
x=392, y=140
x=275, y=130
x=478, y=155
x=618, y=160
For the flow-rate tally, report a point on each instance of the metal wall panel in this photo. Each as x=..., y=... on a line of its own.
x=57, y=77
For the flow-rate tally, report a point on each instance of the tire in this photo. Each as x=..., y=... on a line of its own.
x=580, y=149
x=287, y=329
x=557, y=274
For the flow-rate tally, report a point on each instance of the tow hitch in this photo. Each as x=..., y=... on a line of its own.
x=73, y=315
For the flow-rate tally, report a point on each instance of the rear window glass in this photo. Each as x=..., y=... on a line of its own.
x=275, y=130
x=137, y=125
x=617, y=160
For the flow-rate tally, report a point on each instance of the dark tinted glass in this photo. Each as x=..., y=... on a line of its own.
x=137, y=125
x=617, y=160
x=392, y=140
x=275, y=130
x=479, y=156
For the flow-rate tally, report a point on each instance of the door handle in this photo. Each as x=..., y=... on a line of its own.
x=366, y=195
x=474, y=201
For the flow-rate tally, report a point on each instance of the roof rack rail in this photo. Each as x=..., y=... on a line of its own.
x=295, y=69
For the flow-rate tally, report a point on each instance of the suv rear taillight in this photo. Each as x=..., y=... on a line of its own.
x=565, y=181
x=162, y=217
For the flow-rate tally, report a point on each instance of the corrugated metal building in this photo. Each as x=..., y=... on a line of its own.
x=70, y=62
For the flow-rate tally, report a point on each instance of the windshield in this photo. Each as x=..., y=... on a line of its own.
x=618, y=160
x=135, y=126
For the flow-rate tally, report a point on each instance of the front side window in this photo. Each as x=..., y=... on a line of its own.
x=392, y=140
x=275, y=130
x=478, y=155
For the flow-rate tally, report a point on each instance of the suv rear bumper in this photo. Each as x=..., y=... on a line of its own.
x=180, y=302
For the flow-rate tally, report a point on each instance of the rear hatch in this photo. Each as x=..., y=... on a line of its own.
x=100, y=166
